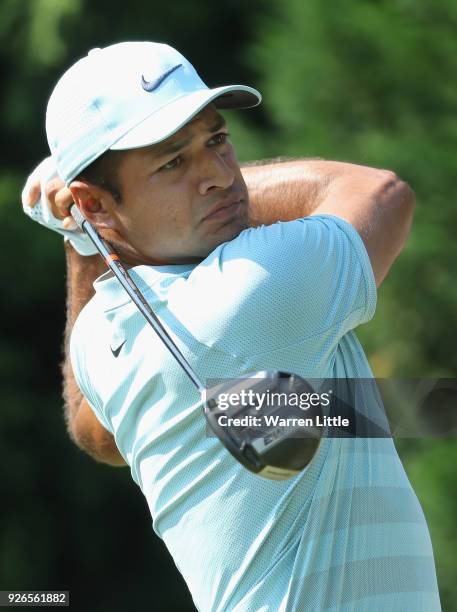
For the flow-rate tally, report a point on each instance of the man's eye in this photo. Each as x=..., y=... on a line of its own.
x=220, y=138
x=173, y=163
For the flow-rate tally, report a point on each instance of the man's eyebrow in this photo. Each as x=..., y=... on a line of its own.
x=220, y=123
x=172, y=147
x=177, y=145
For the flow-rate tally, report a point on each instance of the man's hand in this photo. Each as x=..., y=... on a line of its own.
x=46, y=200
x=58, y=196
x=60, y=199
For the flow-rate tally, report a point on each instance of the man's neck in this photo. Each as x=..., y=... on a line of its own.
x=131, y=258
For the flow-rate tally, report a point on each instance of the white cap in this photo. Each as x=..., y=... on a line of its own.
x=125, y=96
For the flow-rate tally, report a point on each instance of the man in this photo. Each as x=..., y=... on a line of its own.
x=137, y=138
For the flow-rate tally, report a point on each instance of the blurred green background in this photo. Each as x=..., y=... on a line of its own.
x=373, y=82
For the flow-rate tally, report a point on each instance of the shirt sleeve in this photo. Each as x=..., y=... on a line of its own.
x=79, y=336
x=286, y=283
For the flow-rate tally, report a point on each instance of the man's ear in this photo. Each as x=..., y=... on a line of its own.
x=95, y=203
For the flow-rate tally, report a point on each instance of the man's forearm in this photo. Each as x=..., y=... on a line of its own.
x=285, y=190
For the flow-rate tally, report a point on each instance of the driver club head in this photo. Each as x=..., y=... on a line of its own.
x=247, y=414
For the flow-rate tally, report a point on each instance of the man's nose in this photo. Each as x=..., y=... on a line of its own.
x=214, y=173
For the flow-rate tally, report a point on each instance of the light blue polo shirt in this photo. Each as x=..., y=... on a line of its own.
x=348, y=532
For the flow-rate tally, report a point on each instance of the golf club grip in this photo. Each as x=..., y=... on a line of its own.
x=101, y=245
x=77, y=216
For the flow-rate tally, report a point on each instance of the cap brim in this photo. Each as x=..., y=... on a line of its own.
x=168, y=120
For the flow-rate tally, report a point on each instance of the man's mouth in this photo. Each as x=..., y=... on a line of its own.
x=224, y=207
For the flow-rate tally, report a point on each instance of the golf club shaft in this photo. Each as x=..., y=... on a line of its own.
x=112, y=261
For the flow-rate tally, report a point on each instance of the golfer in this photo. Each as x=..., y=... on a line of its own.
x=269, y=267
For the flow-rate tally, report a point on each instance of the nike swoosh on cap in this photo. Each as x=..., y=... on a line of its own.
x=118, y=350
x=152, y=85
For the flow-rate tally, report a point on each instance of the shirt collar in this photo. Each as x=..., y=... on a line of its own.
x=111, y=294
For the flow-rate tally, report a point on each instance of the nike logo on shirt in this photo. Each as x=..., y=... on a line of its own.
x=118, y=350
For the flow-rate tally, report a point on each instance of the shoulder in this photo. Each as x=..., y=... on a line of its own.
x=87, y=319
x=89, y=329
x=311, y=231
x=278, y=284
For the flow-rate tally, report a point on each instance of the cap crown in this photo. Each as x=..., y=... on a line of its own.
x=109, y=92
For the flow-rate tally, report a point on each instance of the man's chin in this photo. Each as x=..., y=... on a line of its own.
x=228, y=232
